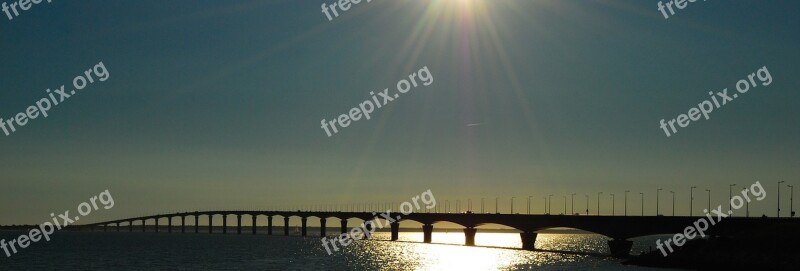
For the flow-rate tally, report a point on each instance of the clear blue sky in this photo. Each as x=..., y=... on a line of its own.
x=217, y=104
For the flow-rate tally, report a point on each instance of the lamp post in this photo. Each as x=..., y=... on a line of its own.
x=598, y=202
x=779, y=198
x=512, y=205
x=544, y=211
x=612, y=204
x=572, y=205
x=709, y=199
x=587, y=204
x=550, y=204
x=447, y=206
x=747, y=204
x=673, y=202
x=496, y=210
x=730, y=198
x=691, y=199
x=642, y=193
x=529, y=204
x=626, y=202
x=791, y=200
x=657, y=192
x=482, y=206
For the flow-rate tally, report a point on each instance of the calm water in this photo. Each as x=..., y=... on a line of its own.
x=189, y=251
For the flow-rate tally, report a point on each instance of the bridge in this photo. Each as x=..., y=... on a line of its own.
x=618, y=228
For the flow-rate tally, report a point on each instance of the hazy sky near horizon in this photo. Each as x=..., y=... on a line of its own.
x=217, y=104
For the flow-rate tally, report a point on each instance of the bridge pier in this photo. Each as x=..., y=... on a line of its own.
x=183, y=224
x=130, y=226
x=156, y=224
x=620, y=247
x=427, y=231
x=210, y=223
x=196, y=223
x=255, y=219
x=224, y=224
x=303, y=221
x=238, y=224
x=322, y=227
x=144, y=225
x=269, y=225
x=169, y=224
x=395, y=230
x=344, y=225
x=528, y=240
x=286, y=225
x=469, y=236
x=118, y=226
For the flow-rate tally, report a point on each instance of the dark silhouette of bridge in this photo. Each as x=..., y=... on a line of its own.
x=618, y=228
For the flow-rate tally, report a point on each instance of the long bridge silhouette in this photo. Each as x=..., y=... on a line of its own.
x=618, y=228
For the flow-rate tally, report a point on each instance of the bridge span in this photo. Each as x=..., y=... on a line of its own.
x=618, y=228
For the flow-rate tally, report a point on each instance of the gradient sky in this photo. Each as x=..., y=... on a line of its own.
x=217, y=104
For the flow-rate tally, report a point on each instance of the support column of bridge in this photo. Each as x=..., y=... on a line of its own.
x=427, y=231
x=269, y=225
x=169, y=224
x=238, y=224
x=156, y=224
x=344, y=225
x=144, y=225
x=130, y=226
x=620, y=247
x=469, y=236
x=118, y=226
x=224, y=224
x=255, y=219
x=286, y=225
x=528, y=240
x=210, y=223
x=395, y=230
x=322, y=227
x=196, y=223
x=303, y=221
x=183, y=224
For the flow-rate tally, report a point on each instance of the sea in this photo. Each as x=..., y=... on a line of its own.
x=203, y=251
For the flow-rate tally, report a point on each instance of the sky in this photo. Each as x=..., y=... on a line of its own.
x=216, y=105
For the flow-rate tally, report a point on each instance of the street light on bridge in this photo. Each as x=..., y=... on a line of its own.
x=691, y=199
x=512, y=205
x=587, y=204
x=779, y=198
x=598, y=202
x=657, y=192
x=482, y=206
x=626, y=202
x=709, y=199
x=549, y=204
x=730, y=198
x=642, y=193
x=673, y=202
x=791, y=200
x=565, y=204
x=529, y=204
x=612, y=204
x=572, y=205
